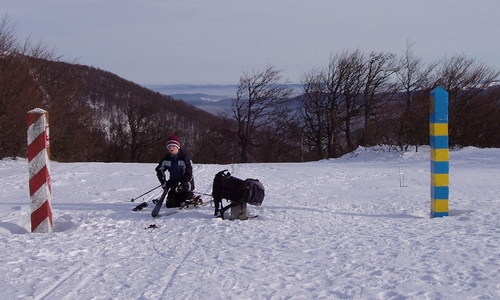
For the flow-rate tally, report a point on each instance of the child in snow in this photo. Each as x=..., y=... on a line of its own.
x=179, y=166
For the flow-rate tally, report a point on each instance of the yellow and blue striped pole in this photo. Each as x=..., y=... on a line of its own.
x=440, y=158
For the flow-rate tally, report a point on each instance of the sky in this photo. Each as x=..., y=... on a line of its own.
x=355, y=227
x=164, y=42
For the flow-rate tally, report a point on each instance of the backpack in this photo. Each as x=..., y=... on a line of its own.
x=236, y=191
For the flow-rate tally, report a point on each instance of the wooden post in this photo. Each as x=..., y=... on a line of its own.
x=440, y=165
x=39, y=175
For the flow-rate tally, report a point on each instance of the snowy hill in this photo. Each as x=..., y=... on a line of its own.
x=347, y=228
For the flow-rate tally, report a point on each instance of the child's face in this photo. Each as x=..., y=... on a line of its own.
x=173, y=149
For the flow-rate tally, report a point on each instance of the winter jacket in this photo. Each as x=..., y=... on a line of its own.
x=180, y=170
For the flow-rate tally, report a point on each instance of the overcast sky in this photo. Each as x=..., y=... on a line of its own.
x=215, y=41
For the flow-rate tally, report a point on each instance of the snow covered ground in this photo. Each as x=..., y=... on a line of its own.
x=339, y=229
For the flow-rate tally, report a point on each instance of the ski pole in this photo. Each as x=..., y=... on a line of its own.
x=133, y=199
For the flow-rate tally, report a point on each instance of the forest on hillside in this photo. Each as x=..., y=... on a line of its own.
x=357, y=99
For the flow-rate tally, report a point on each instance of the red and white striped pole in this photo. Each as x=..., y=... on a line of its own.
x=39, y=175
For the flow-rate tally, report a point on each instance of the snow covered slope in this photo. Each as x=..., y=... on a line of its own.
x=339, y=229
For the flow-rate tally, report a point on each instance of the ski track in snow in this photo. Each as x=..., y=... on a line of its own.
x=337, y=229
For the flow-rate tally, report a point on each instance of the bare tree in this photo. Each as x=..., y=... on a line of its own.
x=140, y=125
x=260, y=102
x=380, y=67
x=23, y=86
x=466, y=82
x=352, y=74
x=334, y=83
x=215, y=142
x=314, y=112
x=414, y=79
x=8, y=41
x=412, y=74
x=332, y=102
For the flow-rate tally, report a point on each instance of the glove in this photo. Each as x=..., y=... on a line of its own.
x=182, y=187
x=165, y=184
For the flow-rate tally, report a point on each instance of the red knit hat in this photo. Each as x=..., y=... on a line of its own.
x=173, y=140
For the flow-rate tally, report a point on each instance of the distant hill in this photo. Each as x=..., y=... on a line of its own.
x=222, y=91
x=205, y=102
x=210, y=98
x=95, y=115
